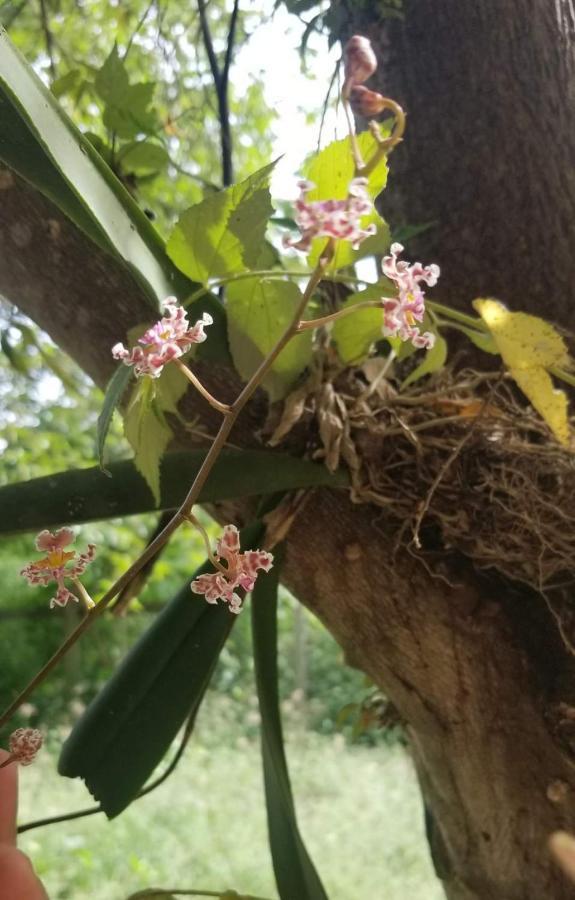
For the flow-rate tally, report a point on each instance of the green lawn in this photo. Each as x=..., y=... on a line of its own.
x=359, y=811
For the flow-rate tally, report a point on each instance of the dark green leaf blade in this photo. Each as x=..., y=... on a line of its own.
x=116, y=387
x=294, y=871
x=87, y=495
x=128, y=728
x=42, y=145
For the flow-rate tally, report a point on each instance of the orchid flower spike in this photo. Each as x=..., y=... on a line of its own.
x=168, y=339
x=340, y=219
x=241, y=571
x=58, y=565
x=401, y=313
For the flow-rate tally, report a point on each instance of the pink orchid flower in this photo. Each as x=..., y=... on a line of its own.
x=402, y=312
x=332, y=218
x=168, y=339
x=59, y=565
x=241, y=571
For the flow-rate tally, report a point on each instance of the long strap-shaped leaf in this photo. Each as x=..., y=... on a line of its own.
x=87, y=495
x=296, y=877
x=41, y=144
x=128, y=728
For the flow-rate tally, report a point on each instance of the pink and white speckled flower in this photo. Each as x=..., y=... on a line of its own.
x=168, y=339
x=339, y=219
x=402, y=312
x=241, y=571
x=58, y=565
x=24, y=745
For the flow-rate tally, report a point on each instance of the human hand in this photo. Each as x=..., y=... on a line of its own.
x=17, y=878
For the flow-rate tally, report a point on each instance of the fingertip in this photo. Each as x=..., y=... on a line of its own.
x=8, y=801
x=18, y=880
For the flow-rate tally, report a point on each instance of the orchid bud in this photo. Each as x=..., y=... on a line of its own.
x=24, y=745
x=366, y=103
x=359, y=61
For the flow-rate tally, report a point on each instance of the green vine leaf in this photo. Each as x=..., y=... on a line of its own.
x=223, y=235
x=126, y=110
x=354, y=335
x=433, y=361
x=331, y=171
x=258, y=313
x=147, y=432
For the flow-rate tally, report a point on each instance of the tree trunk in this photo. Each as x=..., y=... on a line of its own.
x=489, y=152
x=475, y=666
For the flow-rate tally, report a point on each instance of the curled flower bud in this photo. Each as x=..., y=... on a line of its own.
x=24, y=745
x=367, y=103
x=241, y=571
x=359, y=61
x=168, y=339
x=339, y=219
x=401, y=313
x=59, y=564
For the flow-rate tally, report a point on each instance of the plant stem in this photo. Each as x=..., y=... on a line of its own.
x=443, y=310
x=185, y=509
x=270, y=273
x=340, y=314
x=221, y=407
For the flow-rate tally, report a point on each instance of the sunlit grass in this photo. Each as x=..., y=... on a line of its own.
x=359, y=810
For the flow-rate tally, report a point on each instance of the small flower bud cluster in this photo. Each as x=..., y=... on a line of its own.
x=241, y=571
x=168, y=339
x=339, y=219
x=24, y=745
x=360, y=62
x=402, y=312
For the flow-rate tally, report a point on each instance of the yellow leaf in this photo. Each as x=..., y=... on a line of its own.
x=529, y=347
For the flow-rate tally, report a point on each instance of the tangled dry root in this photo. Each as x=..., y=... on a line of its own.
x=460, y=454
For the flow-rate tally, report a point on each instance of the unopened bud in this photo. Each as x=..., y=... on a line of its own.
x=367, y=103
x=359, y=61
x=24, y=745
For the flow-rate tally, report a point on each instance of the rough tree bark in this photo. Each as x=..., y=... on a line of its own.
x=475, y=666
x=489, y=89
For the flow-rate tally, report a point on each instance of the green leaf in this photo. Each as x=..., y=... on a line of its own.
x=258, y=312
x=66, y=83
x=143, y=157
x=87, y=495
x=147, y=432
x=331, y=171
x=481, y=339
x=114, y=391
x=151, y=894
x=128, y=728
x=433, y=360
x=354, y=335
x=294, y=871
x=223, y=234
x=126, y=105
x=42, y=145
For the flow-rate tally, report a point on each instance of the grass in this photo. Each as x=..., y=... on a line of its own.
x=359, y=811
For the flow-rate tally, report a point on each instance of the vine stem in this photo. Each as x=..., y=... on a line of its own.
x=306, y=324
x=221, y=407
x=185, y=509
x=269, y=273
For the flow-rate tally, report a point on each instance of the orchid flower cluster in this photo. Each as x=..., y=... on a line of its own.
x=60, y=565
x=339, y=219
x=241, y=571
x=23, y=746
x=401, y=313
x=168, y=339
